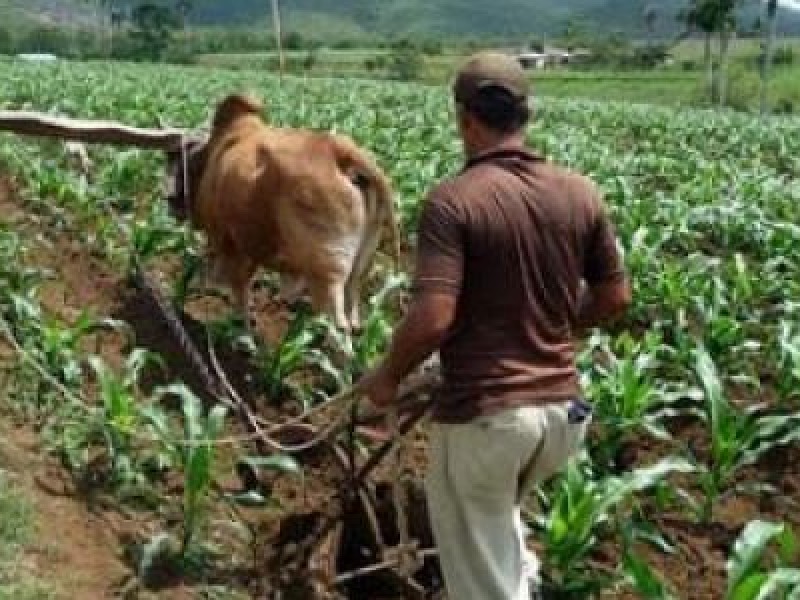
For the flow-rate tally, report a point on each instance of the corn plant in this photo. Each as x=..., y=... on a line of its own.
x=641, y=577
x=626, y=395
x=121, y=418
x=193, y=450
x=739, y=437
x=15, y=276
x=788, y=363
x=114, y=423
x=154, y=236
x=296, y=350
x=748, y=577
x=197, y=454
x=581, y=509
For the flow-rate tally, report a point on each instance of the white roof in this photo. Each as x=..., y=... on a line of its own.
x=37, y=57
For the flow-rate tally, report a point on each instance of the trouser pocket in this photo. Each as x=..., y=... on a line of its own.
x=563, y=431
x=578, y=411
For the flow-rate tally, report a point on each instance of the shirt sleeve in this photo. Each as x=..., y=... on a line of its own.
x=440, y=247
x=603, y=261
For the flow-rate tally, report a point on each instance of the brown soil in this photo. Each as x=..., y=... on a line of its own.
x=83, y=538
x=74, y=548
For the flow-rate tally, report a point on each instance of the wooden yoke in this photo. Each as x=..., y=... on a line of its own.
x=90, y=131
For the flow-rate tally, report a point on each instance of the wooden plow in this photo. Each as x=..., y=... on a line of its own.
x=377, y=517
x=360, y=505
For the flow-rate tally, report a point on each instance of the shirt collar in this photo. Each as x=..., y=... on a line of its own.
x=512, y=150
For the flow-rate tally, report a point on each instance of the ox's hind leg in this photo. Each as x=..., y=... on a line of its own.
x=293, y=288
x=237, y=271
x=352, y=293
x=328, y=297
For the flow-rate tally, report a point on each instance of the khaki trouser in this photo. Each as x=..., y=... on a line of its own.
x=478, y=474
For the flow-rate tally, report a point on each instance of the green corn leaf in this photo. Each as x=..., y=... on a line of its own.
x=216, y=421
x=192, y=415
x=278, y=462
x=198, y=471
x=780, y=580
x=749, y=588
x=644, y=580
x=787, y=541
x=748, y=551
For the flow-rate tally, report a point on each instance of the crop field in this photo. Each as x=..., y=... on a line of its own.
x=689, y=486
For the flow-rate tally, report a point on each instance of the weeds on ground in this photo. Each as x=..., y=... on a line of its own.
x=16, y=529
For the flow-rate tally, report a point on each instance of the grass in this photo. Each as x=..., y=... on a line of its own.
x=668, y=86
x=693, y=49
x=16, y=531
x=659, y=87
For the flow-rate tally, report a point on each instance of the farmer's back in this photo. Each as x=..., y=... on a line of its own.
x=529, y=232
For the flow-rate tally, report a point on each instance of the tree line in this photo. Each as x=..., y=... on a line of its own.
x=162, y=30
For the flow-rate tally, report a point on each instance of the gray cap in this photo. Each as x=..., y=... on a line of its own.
x=490, y=69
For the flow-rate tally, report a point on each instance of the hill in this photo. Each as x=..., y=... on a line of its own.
x=424, y=17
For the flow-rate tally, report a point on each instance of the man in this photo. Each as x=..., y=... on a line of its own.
x=515, y=259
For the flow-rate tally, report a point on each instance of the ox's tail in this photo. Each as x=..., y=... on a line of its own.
x=386, y=201
x=366, y=173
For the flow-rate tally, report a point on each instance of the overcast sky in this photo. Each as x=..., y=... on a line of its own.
x=793, y=4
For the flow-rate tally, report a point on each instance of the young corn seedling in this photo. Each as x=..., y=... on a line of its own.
x=728, y=340
x=788, y=363
x=115, y=422
x=739, y=437
x=748, y=575
x=639, y=575
x=192, y=450
x=579, y=508
x=15, y=276
x=154, y=236
x=121, y=417
x=626, y=397
x=201, y=432
x=294, y=352
x=59, y=344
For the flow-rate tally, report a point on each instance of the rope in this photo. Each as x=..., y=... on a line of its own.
x=188, y=200
x=221, y=388
x=78, y=399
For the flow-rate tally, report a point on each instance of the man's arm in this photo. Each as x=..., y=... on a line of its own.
x=420, y=333
x=607, y=292
x=438, y=275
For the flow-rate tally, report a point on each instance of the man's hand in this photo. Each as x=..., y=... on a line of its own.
x=419, y=334
x=602, y=303
x=379, y=386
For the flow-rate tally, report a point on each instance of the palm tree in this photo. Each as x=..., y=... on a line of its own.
x=650, y=17
x=700, y=16
x=713, y=17
x=770, y=33
x=184, y=9
x=276, y=24
x=726, y=25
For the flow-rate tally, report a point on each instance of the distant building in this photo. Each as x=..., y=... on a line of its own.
x=37, y=57
x=551, y=57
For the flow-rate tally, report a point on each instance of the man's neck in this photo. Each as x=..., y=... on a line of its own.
x=495, y=142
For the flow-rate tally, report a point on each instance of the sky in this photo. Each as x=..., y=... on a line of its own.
x=792, y=4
